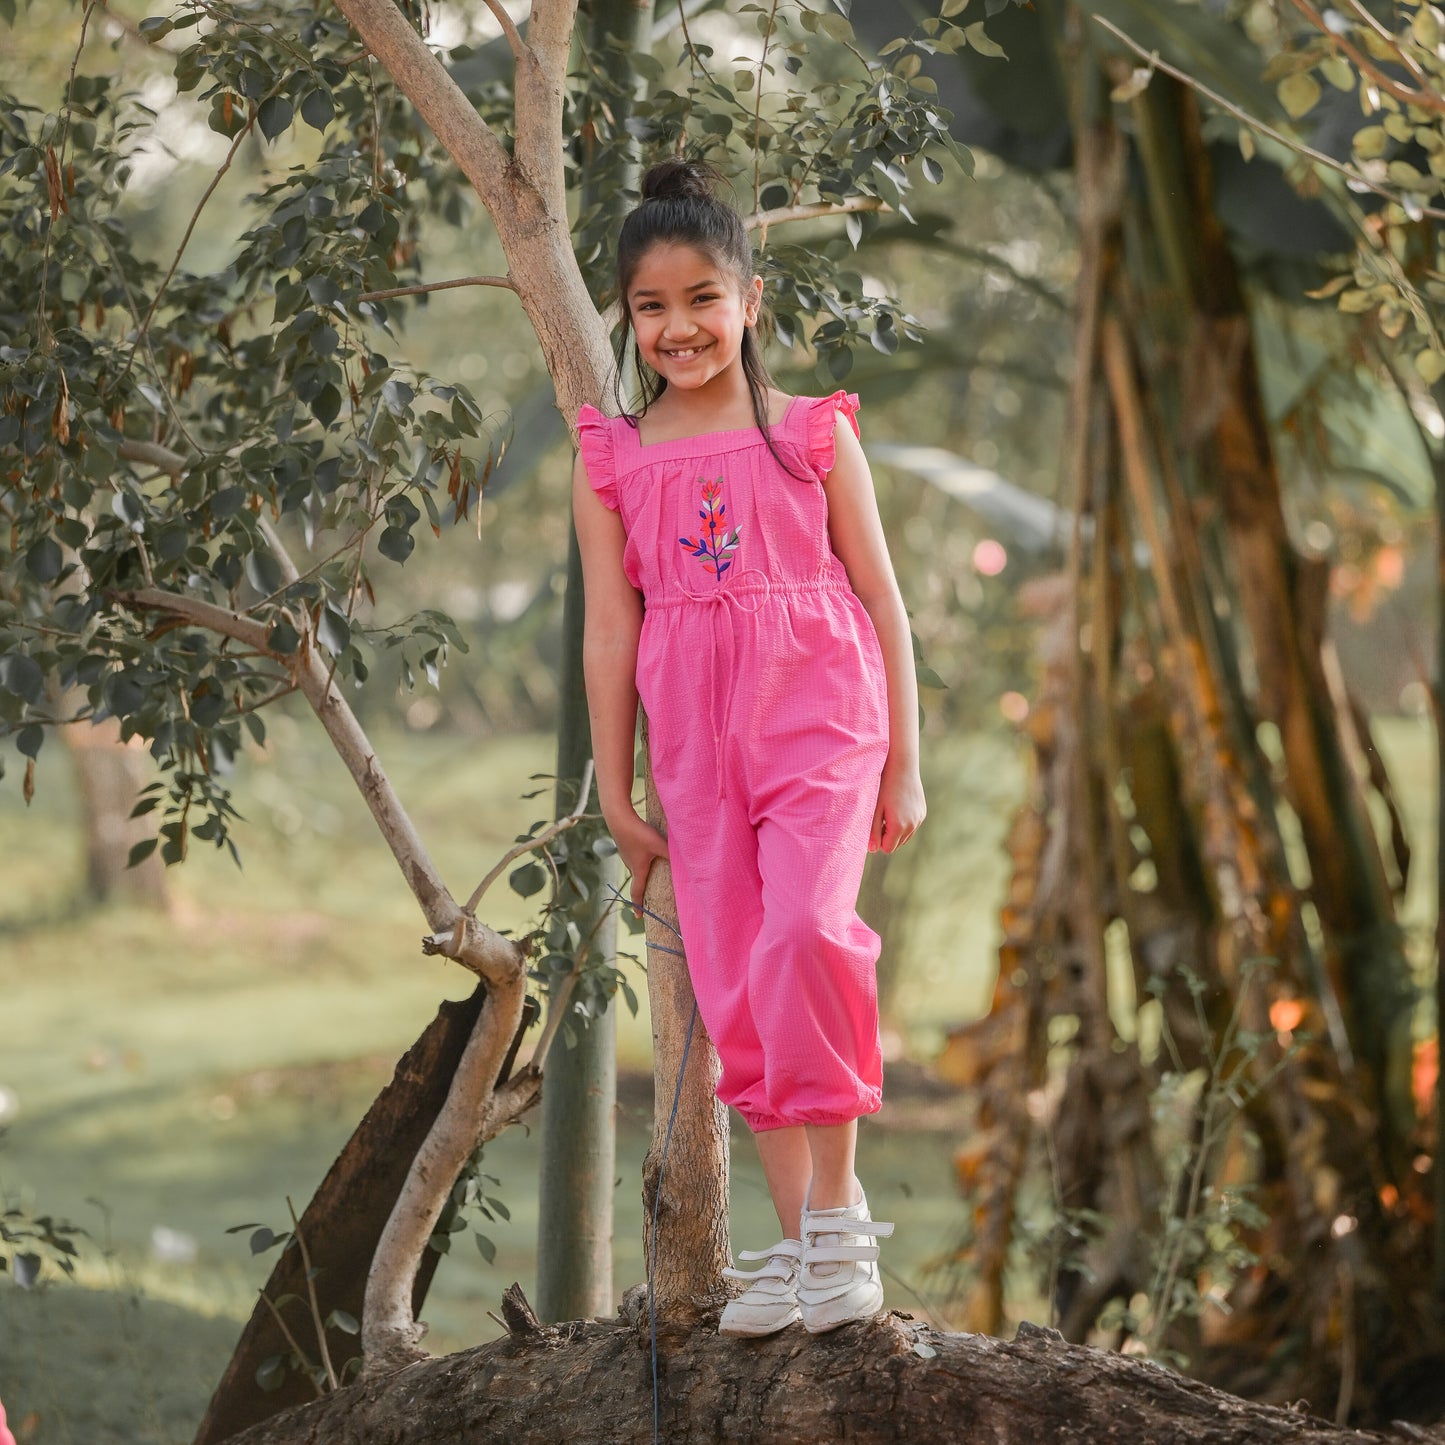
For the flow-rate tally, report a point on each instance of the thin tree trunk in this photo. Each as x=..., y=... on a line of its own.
x=687, y=1161
x=579, y=1131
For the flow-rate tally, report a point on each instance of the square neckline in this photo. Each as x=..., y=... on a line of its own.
x=642, y=446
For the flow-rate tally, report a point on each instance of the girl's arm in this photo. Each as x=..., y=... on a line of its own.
x=609, y=664
x=857, y=536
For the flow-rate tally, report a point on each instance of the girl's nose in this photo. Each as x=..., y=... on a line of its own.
x=679, y=326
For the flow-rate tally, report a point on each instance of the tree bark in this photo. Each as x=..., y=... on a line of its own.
x=342, y=1224
x=888, y=1380
x=689, y=1248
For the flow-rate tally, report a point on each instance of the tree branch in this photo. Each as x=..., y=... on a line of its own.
x=425, y=82
x=502, y=281
x=540, y=841
x=781, y=215
x=514, y=38
x=541, y=91
x=1244, y=117
x=482, y=948
x=474, y=1112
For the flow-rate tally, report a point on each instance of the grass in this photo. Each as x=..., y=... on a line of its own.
x=173, y=1075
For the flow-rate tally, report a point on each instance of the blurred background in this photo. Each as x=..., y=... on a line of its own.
x=185, y=1049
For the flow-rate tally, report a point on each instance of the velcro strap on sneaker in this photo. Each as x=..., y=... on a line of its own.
x=876, y=1227
x=789, y=1247
x=842, y=1253
x=768, y=1271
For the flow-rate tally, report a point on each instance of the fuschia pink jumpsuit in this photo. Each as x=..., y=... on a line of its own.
x=767, y=709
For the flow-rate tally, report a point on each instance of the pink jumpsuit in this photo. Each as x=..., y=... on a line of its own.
x=767, y=708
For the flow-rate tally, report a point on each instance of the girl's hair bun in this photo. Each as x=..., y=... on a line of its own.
x=680, y=180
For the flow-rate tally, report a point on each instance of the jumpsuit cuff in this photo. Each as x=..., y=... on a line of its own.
x=819, y=1118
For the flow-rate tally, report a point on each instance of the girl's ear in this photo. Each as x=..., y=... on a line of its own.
x=753, y=300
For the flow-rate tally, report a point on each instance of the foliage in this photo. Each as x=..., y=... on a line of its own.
x=163, y=428
x=1204, y=1221
x=1379, y=80
x=29, y=1243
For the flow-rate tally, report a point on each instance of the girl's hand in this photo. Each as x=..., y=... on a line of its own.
x=900, y=809
x=638, y=843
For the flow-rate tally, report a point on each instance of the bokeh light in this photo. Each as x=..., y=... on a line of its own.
x=989, y=557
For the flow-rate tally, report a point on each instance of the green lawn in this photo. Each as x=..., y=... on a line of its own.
x=174, y=1075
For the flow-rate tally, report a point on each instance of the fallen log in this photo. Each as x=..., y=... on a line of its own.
x=891, y=1379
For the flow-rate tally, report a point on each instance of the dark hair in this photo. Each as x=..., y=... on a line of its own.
x=680, y=207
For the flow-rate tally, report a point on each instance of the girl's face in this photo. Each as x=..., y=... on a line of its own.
x=689, y=314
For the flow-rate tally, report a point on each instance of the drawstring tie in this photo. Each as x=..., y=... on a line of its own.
x=723, y=605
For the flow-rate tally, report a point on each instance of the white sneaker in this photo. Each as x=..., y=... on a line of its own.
x=840, y=1280
x=770, y=1302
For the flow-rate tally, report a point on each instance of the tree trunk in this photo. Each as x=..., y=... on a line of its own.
x=109, y=776
x=579, y=1129
x=689, y=1249
x=1225, y=409
x=888, y=1380
x=341, y=1226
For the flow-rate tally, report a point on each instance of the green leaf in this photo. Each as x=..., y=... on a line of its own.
x=1298, y=94
x=486, y=1248
x=340, y=1320
x=139, y=853
x=271, y=1373
x=326, y=404
x=30, y=739
x=853, y=224
x=977, y=37
x=840, y=363
x=334, y=630
x=1430, y=365
x=395, y=544
x=397, y=395
x=530, y=878
x=153, y=27
x=283, y=638
x=318, y=109
x=274, y=116
x=262, y=1240
x=44, y=560
x=22, y=676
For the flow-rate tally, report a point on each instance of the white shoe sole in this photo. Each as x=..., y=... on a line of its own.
x=834, y=1313
x=756, y=1329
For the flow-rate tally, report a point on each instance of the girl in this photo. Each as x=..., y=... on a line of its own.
x=738, y=581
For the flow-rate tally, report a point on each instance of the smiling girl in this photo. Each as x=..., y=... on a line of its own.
x=738, y=582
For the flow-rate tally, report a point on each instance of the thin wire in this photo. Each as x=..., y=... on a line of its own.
x=656, y=1199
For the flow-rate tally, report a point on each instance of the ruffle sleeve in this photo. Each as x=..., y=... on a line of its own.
x=594, y=438
x=822, y=421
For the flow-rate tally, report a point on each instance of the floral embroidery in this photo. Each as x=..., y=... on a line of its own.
x=715, y=544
